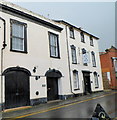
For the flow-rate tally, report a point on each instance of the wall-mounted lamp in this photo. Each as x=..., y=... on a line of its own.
x=37, y=77
x=34, y=69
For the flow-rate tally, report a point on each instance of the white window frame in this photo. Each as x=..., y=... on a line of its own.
x=93, y=59
x=85, y=57
x=91, y=41
x=18, y=39
x=82, y=37
x=76, y=80
x=54, y=45
x=96, y=80
x=71, y=30
x=73, y=54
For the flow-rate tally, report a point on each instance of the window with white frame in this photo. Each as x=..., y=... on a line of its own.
x=96, y=80
x=71, y=32
x=18, y=36
x=93, y=59
x=73, y=53
x=82, y=37
x=91, y=41
x=75, y=80
x=85, y=56
x=54, y=45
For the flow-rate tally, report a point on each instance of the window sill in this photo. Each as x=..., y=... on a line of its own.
x=74, y=63
x=72, y=37
x=96, y=87
x=92, y=45
x=83, y=41
x=19, y=51
x=77, y=89
x=55, y=57
x=85, y=64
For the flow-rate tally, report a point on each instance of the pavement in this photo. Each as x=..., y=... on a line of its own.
x=23, y=111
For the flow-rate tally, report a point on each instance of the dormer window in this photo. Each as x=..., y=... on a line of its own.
x=91, y=41
x=82, y=37
x=71, y=30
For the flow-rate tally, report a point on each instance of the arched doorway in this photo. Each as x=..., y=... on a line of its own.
x=52, y=84
x=17, y=91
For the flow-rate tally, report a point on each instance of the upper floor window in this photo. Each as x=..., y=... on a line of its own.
x=96, y=80
x=73, y=53
x=93, y=59
x=91, y=41
x=85, y=57
x=82, y=37
x=75, y=80
x=18, y=36
x=54, y=45
x=71, y=33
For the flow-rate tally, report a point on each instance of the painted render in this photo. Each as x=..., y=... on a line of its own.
x=38, y=55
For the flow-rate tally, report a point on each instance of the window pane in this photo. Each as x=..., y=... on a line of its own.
x=18, y=30
x=53, y=51
x=93, y=59
x=17, y=44
x=96, y=79
x=75, y=80
x=53, y=45
x=17, y=36
x=73, y=51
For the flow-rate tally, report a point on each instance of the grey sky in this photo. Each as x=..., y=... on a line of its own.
x=97, y=18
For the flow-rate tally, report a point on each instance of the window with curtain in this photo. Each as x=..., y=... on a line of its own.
x=96, y=80
x=71, y=33
x=91, y=41
x=73, y=53
x=18, y=36
x=82, y=37
x=75, y=80
x=85, y=57
x=54, y=46
x=93, y=59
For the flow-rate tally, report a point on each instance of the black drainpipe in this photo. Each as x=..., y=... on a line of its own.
x=3, y=47
x=69, y=61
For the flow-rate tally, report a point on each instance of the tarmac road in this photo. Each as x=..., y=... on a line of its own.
x=78, y=109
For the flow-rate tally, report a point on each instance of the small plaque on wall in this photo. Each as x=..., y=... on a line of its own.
x=43, y=85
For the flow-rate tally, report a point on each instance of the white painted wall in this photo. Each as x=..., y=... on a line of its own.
x=39, y=55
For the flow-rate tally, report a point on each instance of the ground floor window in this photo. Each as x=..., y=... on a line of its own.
x=75, y=80
x=96, y=80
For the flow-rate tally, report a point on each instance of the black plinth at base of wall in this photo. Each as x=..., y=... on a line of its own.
x=38, y=101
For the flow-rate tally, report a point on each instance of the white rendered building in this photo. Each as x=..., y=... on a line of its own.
x=43, y=60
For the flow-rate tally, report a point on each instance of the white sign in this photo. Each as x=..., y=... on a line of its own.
x=86, y=58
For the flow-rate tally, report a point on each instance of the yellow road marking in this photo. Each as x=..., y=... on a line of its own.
x=54, y=108
x=19, y=108
x=115, y=118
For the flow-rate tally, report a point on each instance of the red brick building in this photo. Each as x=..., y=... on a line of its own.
x=109, y=67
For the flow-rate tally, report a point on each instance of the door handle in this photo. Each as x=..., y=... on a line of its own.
x=17, y=94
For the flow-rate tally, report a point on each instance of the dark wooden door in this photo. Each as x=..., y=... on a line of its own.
x=52, y=88
x=16, y=89
x=87, y=83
